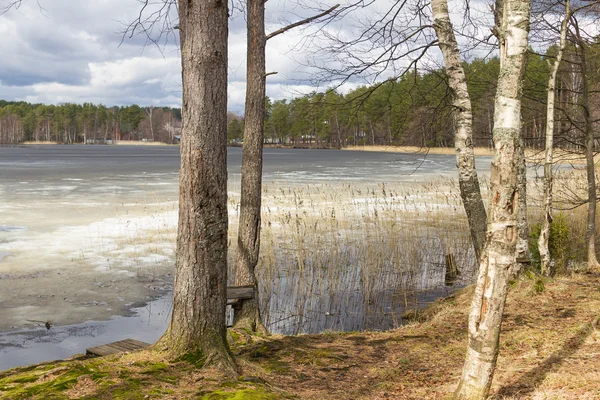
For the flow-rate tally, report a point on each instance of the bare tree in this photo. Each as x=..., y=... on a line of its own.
x=248, y=242
x=149, y=112
x=396, y=41
x=590, y=235
x=463, y=125
x=499, y=256
x=549, y=158
x=200, y=291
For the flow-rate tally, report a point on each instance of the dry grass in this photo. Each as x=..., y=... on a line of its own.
x=350, y=257
x=548, y=350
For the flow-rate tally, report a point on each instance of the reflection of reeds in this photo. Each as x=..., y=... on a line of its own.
x=353, y=257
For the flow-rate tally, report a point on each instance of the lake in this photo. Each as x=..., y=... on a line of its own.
x=87, y=241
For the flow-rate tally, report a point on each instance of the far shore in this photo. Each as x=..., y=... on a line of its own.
x=536, y=156
x=118, y=143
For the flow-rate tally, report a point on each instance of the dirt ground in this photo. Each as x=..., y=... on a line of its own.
x=549, y=349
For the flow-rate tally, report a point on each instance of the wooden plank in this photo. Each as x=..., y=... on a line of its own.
x=131, y=344
x=240, y=292
x=120, y=346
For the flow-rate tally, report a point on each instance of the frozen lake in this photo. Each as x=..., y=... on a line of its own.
x=88, y=232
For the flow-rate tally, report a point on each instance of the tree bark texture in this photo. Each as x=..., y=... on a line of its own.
x=463, y=126
x=499, y=255
x=523, y=257
x=590, y=235
x=248, y=241
x=549, y=159
x=200, y=290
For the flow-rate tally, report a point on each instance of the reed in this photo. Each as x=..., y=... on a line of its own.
x=354, y=257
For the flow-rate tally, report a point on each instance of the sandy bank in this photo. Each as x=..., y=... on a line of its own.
x=532, y=155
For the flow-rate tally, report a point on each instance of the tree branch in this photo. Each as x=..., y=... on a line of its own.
x=299, y=23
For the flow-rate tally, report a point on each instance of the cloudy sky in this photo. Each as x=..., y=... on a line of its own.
x=72, y=51
x=57, y=51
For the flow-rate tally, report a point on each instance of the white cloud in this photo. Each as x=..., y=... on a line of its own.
x=73, y=51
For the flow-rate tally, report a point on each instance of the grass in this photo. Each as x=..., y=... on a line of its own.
x=355, y=256
x=548, y=350
x=333, y=253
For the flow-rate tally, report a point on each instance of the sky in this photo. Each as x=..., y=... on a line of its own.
x=59, y=51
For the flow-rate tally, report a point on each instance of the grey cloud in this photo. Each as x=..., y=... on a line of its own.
x=66, y=51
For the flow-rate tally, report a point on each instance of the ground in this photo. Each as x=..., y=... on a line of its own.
x=549, y=349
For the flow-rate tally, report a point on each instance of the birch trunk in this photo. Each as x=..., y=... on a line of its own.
x=523, y=257
x=463, y=126
x=549, y=160
x=498, y=257
x=198, y=318
x=248, y=242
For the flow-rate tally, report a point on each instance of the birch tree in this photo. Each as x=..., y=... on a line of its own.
x=394, y=43
x=463, y=125
x=499, y=255
x=198, y=318
x=549, y=156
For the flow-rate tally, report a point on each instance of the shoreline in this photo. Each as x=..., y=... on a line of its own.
x=545, y=352
x=533, y=156
x=479, y=151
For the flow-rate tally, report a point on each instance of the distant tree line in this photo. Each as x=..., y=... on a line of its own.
x=416, y=110
x=86, y=123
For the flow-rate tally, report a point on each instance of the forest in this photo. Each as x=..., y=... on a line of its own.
x=413, y=110
x=86, y=123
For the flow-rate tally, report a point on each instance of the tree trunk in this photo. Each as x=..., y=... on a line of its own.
x=590, y=235
x=248, y=242
x=463, y=126
x=498, y=257
x=523, y=257
x=200, y=289
x=549, y=161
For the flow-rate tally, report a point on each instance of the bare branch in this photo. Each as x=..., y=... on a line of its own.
x=299, y=23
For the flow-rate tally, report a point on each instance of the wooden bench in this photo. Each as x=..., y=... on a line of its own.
x=237, y=294
x=235, y=298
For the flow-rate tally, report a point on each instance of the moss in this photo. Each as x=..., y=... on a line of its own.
x=195, y=358
x=277, y=366
x=130, y=389
x=51, y=389
x=235, y=337
x=25, y=379
x=245, y=394
x=154, y=368
x=170, y=379
x=161, y=391
x=319, y=357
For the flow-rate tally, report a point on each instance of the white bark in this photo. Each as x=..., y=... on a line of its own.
x=463, y=125
x=498, y=258
x=545, y=232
